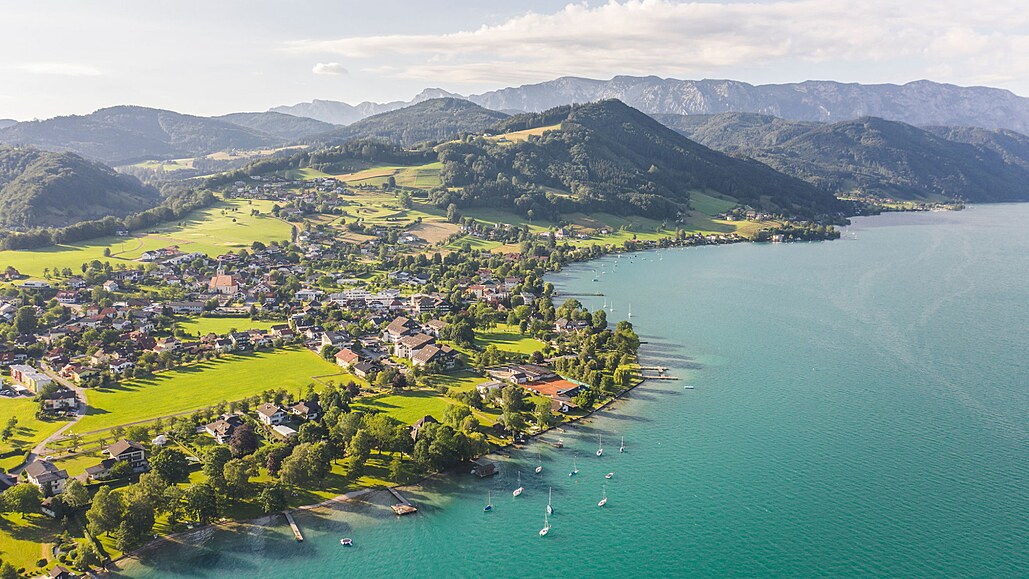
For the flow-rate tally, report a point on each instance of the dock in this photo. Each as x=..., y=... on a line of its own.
x=293, y=525
x=660, y=377
x=404, y=507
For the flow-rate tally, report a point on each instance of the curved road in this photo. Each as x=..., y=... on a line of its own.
x=40, y=449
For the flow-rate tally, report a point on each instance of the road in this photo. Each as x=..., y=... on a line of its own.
x=40, y=449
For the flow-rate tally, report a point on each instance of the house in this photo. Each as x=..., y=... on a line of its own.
x=408, y=345
x=101, y=470
x=223, y=284
x=129, y=451
x=490, y=390
x=270, y=414
x=310, y=410
x=397, y=329
x=363, y=369
x=59, y=572
x=346, y=358
x=565, y=326
x=185, y=307
x=520, y=373
x=67, y=297
x=484, y=468
x=63, y=399
x=47, y=477
x=221, y=430
x=444, y=356
x=240, y=340
x=111, y=286
x=169, y=344
x=420, y=423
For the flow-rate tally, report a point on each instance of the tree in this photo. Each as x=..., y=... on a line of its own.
x=272, y=499
x=171, y=464
x=398, y=471
x=452, y=215
x=105, y=514
x=276, y=454
x=512, y=399
x=214, y=464
x=25, y=320
x=405, y=199
x=243, y=441
x=23, y=498
x=201, y=502
x=75, y=494
x=85, y=556
x=544, y=415
x=8, y=571
x=360, y=445
x=236, y=475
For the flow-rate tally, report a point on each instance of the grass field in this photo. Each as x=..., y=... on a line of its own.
x=29, y=430
x=22, y=539
x=406, y=407
x=508, y=339
x=225, y=226
x=222, y=326
x=518, y=136
x=710, y=205
x=230, y=378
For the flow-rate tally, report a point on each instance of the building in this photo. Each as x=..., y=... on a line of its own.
x=283, y=432
x=308, y=410
x=484, y=468
x=223, y=284
x=29, y=377
x=346, y=358
x=420, y=423
x=408, y=345
x=444, y=356
x=364, y=369
x=221, y=430
x=397, y=329
x=63, y=399
x=270, y=414
x=129, y=451
x=47, y=477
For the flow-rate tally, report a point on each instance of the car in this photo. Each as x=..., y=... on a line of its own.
x=48, y=457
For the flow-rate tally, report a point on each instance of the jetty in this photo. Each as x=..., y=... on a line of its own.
x=660, y=377
x=293, y=525
x=404, y=507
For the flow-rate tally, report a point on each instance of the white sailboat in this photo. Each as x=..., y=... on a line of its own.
x=575, y=470
x=550, y=506
x=546, y=526
x=520, y=488
x=622, y=447
x=600, y=446
x=609, y=475
x=630, y=310
x=539, y=463
x=603, y=501
x=489, y=503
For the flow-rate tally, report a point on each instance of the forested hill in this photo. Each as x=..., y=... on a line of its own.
x=126, y=134
x=875, y=156
x=608, y=156
x=286, y=127
x=43, y=189
x=430, y=120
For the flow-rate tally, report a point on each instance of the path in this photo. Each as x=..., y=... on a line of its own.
x=40, y=449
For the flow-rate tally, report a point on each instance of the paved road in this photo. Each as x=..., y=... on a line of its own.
x=40, y=449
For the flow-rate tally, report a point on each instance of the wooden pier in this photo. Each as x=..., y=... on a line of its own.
x=404, y=507
x=293, y=525
x=660, y=377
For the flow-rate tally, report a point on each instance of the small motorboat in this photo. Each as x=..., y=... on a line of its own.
x=609, y=475
x=346, y=542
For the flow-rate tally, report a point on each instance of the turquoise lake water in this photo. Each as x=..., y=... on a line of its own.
x=861, y=408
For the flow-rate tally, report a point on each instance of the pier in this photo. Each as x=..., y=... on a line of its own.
x=660, y=377
x=293, y=525
x=404, y=507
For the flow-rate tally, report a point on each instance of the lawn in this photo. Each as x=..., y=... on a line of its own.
x=22, y=539
x=215, y=230
x=507, y=338
x=229, y=378
x=710, y=205
x=29, y=430
x=518, y=136
x=406, y=407
x=221, y=326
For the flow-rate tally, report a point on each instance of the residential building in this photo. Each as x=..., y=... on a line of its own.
x=47, y=477
x=270, y=414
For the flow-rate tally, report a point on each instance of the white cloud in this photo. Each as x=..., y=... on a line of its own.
x=329, y=68
x=666, y=37
x=59, y=69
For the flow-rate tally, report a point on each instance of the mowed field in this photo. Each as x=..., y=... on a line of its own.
x=225, y=226
x=221, y=326
x=508, y=339
x=29, y=430
x=232, y=377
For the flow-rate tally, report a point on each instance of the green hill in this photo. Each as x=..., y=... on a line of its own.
x=875, y=156
x=287, y=127
x=610, y=157
x=125, y=134
x=430, y=120
x=43, y=189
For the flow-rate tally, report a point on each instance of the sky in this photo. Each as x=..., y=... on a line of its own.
x=208, y=57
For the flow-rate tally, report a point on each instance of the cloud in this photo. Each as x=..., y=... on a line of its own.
x=59, y=69
x=329, y=68
x=665, y=37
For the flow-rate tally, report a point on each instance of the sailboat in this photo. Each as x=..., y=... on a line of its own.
x=600, y=447
x=630, y=310
x=489, y=503
x=575, y=470
x=520, y=488
x=622, y=447
x=603, y=501
x=546, y=526
x=539, y=461
x=550, y=506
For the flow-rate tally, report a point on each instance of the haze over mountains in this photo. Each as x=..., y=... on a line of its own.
x=920, y=103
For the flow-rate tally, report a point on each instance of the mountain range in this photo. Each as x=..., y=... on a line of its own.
x=874, y=156
x=920, y=103
x=429, y=120
x=46, y=189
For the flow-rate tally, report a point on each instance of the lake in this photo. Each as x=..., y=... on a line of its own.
x=859, y=408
